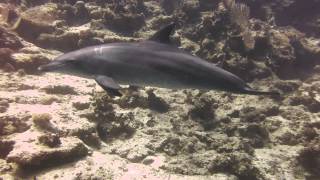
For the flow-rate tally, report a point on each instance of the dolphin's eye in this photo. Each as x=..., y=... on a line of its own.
x=72, y=62
x=75, y=64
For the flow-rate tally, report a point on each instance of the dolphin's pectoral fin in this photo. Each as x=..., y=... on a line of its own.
x=163, y=35
x=113, y=92
x=109, y=85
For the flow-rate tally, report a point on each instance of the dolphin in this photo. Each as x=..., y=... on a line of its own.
x=153, y=62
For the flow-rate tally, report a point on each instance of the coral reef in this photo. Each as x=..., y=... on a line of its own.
x=309, y=159
x=55, y=126
x=33, y=155
x=12, y=124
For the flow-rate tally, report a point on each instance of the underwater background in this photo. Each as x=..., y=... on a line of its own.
x=55, y=126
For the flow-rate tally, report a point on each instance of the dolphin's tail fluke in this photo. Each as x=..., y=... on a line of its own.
x=256, y=92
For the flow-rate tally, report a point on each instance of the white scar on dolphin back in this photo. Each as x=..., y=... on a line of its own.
x=99, y=50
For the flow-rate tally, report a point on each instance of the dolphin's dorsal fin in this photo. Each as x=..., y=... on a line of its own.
x=163, y=35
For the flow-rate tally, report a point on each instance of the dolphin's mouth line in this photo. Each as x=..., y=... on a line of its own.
x=49, y=67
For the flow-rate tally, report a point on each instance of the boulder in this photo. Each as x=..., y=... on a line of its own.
x=31, y=154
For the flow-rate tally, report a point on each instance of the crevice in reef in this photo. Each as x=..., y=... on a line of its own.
x=5, y=148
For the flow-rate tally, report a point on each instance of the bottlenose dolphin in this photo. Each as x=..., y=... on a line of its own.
x=153, y=62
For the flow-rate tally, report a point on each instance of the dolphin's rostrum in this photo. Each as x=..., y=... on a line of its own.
x=154, y=62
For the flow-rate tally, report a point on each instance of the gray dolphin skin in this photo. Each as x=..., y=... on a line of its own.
x=154, y=62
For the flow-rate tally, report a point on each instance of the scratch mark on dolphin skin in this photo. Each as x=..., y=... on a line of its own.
x=101, y=50
x=96, y=50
